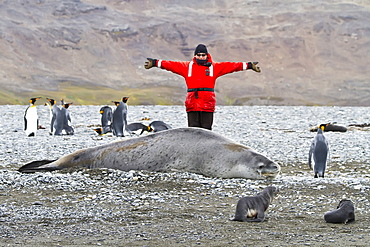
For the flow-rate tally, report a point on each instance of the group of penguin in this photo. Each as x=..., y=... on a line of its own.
x=60, y=119
x=112, y=121
x=116, y=121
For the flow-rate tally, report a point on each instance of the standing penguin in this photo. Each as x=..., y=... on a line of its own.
x=119, y=120
x=50, y=109
x=57, y=119
x=106, y=119
x=319, y=151
x=31, y=120
x=67, y=118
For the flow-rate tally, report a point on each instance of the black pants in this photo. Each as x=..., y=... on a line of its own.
x=200, y=119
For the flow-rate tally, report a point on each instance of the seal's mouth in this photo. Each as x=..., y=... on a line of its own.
x=271, y=176
x=271, y=172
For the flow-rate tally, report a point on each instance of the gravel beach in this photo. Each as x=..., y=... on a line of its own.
x=104, y=207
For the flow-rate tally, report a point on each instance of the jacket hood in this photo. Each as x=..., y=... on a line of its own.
x=209, y=57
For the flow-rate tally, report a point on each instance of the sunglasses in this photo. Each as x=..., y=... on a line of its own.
x=201, y=55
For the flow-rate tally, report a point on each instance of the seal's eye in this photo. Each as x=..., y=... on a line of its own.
x=76, y=157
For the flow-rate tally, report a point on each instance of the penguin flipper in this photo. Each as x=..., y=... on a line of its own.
x=36, y=166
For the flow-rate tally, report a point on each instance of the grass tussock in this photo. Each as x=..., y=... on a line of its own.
x=87, y=95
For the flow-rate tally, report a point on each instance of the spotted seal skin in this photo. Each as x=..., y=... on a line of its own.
x=193, y=150
x=252, y=208
x=344, y=213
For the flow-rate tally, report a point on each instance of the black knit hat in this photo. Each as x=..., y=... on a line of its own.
x=201, y=49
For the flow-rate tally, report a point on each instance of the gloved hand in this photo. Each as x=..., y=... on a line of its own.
x=254, y=66
x=150, y=63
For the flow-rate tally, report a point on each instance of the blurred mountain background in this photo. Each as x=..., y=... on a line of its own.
x=93, y=51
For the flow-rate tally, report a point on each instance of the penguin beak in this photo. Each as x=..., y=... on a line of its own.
x=98, y=130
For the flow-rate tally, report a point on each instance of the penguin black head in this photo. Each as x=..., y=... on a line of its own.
x=66, y=105
x=99, y=131
x=322, y=126
x=146, y=128
x=116, y=103
x=124, y=99
x=33, y=100
x=52, y=102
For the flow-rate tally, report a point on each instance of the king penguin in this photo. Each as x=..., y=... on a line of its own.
x=119, y=120
x=31, y=120
x=57, y=119
x=319, y=151
x=106, y=119
x=67, y=126
x=159, y=126
x=133, y=127
x=154, y=126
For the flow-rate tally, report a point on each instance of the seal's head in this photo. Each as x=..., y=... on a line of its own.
x=272, y=191
x=251, y=164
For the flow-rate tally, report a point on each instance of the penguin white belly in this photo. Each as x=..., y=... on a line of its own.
x=31, y=118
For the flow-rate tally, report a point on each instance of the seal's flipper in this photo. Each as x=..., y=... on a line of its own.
x=37, y=166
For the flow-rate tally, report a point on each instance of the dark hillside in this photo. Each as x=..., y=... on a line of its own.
x=93, y=51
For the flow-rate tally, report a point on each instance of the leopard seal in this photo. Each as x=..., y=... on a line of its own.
x=344, y=213
x=192, y=150
x=252, y=208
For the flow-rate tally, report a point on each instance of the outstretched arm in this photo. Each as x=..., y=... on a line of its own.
x=150, y=63
x=177, y=67
x=253, y=66
x=223, y=68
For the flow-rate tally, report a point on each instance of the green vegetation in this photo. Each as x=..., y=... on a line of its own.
x=88, y=95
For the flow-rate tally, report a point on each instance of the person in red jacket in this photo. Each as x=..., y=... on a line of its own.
x=200, y=75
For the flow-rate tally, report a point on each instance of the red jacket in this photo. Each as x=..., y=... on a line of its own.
x=202, y=78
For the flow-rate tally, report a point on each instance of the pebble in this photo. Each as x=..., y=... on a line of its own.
x=281, y=133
